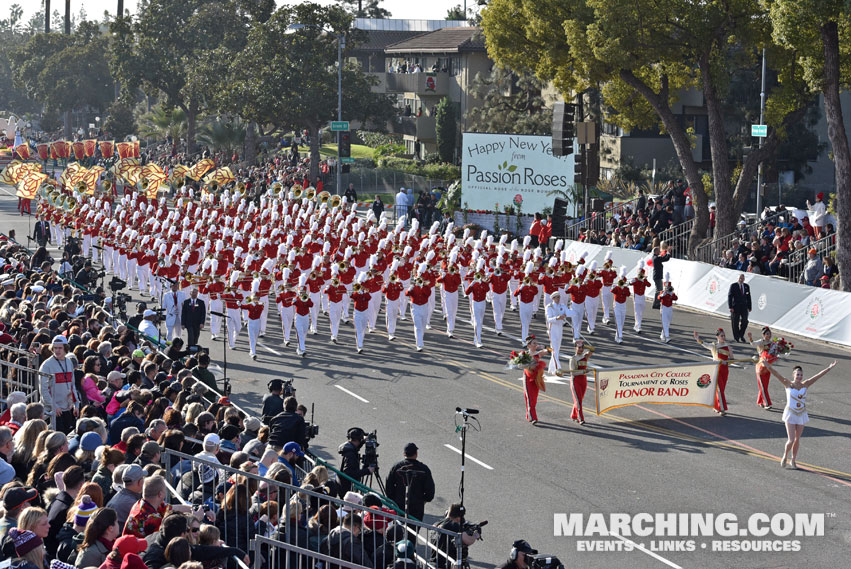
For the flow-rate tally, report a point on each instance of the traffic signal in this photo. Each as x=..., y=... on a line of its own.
x=579, y=166
x=564, y=117
x=345, y=144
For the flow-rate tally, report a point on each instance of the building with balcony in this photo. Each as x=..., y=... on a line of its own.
x=421, y=62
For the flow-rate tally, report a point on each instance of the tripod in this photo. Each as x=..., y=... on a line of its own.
x=462, y=428
x=368, y=480
x=408, y=474
x=225, y=345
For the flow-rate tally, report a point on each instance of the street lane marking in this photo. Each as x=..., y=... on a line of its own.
x=355, y=395
x=265, y=347
x=640, y=547
x=476, y=460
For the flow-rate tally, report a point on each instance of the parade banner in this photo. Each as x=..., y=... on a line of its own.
x=136, y=150
x=61, y=148
x=43, y=151
x=107, y=148
x=89, y=146
x=23, y=150
x=125, y=149
x=221, y=176
x=511, y=170
x=79, y=150
x=29, y=185
x=684, y=384
x=201, y=168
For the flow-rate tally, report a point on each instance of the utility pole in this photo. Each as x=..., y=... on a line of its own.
x=761, y=138
x=47, y=16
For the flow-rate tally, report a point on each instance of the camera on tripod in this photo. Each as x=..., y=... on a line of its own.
x=370, y=450
x=471, y=528
x=288, y=389
x=543, y=561
x=117, y=284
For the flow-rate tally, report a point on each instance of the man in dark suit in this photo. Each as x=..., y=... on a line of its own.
x=659, y=257
x=41, y=233
x=192, y=317
x=739, y=302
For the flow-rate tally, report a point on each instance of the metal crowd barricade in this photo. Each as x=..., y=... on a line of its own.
x=677, y=238
x=260, y=507
x=710, y=251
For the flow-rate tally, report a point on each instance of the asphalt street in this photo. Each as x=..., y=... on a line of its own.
x=640, y=459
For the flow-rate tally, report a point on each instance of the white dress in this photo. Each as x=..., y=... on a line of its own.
x=795, y=411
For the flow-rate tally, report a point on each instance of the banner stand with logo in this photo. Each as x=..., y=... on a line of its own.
x=679, y=384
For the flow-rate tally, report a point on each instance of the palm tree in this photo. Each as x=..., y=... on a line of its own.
x=161, y=123
x=222, y=134
x=67, y=16
x=47, y=16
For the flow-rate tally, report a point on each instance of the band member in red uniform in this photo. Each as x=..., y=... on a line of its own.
x=607, y=275
x=666, y=299
x=533, y=380
x=450, y=281
x=361, y=299
x=498, y=282
x=255, y=309
x=767, y=350
x=593, y=285
x=526, y=292
x=419, y=294
x=303, y=304
x=576, y=290
x=478, y=291
x=285, y=299
x=721, y=353
x=335, y=292
x=392, y=291
x=232, y=297
x=620, y=293
x=639, y=285
x=579, y=381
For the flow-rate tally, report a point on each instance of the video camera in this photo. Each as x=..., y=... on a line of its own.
x=117, y=284
x=471, y=528
x=288, y=389
x=543, y=561
x=312, y=429
x=370, y=450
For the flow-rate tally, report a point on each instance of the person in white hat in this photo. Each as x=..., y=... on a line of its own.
x=147, y=325
x=254, y=307
x=593, y=285
x=172, y=302
x=639, y=285
x=577, y=301
x=608, y=276
x=620, y=292
x=361, y=299
x=392, y=290
x=557, y=315
x=303, y=305
x=232, y=298
x=450, y=282
x=477, y=292
x=666, y=300
x=527, y=293
x=56, y=382
x=419, y=292
x=579, y=379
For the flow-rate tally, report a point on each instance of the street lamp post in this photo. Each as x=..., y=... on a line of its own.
x=341, y=43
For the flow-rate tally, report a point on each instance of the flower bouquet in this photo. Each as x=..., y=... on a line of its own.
x=782, y=347
x=520, y=360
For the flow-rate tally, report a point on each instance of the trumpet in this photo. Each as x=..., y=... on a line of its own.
x=336, y=201
x=324, y=196
x=310, y=193
x=240, y=187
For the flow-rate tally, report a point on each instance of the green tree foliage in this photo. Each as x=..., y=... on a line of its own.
x=819, y=33
x=285, y=80
x=65, y=72
x=645, y=54
x=120, y=122
x=223, y=134
x=456, y=13
x=511, y=102
x=13, y=98
x=446, y=128
x=163, y=122
x=180, y=50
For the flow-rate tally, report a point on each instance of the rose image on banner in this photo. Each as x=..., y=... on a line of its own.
x=107, y=148
x=29, y=185
x=518, y=200
x=79, y=150
x=683, y=384
x=136, y=153
x=43, y=151
x=201, y=168
x=23, y=150
x=125, y=149
x=90, y=146
x=61, y=148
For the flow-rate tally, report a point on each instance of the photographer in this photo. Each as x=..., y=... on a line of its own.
x=148, y=325
x=453, y=522
x=351, y=463
x=517, y=557
x=288, y=426
x=273, y=403
x=410, y=483
x=86, y=275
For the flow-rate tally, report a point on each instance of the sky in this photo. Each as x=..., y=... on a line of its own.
x=402, y=9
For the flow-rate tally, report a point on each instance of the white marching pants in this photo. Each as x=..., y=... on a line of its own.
x=215, y=321
x=592, y=304
x=403, y=300
x=87, y=244
x=667, y=313
x=450, y=301
x=131, y=272
x=287, y=313
x=525, y=309
x=498, y=305
x=347, y=300
x=620, y=316
x=391, y=315
x=302, y=322
x=608, y=298
x=374, y=308
x=578, y=312
x=234, y=326
x=335, y=313
x=419, y=314
x=253, y=334
x=107, y=259
x=638, y=305
x=478, y=319
x=314, y=312
x=361, y=324
x=512, y=286
x=556, y=332
x=264, y=316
